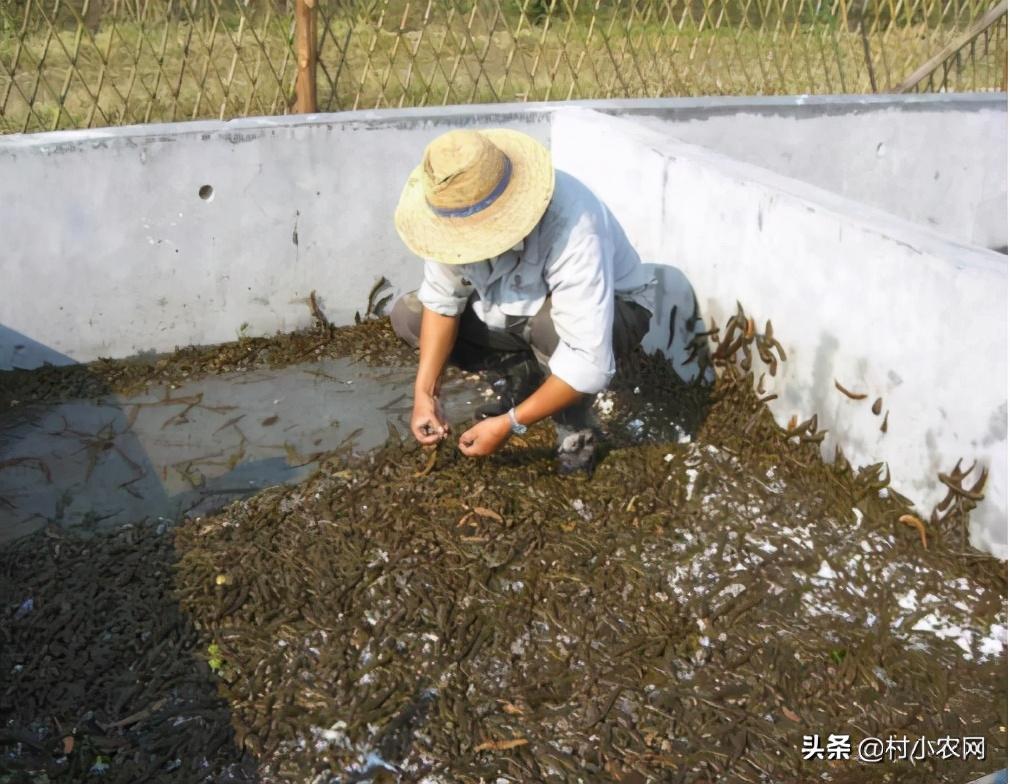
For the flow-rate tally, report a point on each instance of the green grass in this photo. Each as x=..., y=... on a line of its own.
x=165, y=68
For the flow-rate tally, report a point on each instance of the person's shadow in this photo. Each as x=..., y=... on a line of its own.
x=662, y=393
x=677, y=323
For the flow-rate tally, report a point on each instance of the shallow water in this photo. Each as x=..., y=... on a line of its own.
x=193, y=449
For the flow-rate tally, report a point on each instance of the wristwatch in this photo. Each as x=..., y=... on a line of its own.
x=517, y=427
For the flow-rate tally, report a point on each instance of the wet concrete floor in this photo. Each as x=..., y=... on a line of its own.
x=194, y=448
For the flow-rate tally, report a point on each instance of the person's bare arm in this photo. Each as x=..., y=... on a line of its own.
x=582, y=309
x=552, y=396
x=438, y=335
x=485, y=437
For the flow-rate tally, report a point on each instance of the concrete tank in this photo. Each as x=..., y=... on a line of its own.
x=866, y=228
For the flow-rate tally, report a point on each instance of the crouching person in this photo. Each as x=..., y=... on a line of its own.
x=523, y=261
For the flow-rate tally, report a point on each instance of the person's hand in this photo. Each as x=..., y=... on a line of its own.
x=428, y=422
x=485, y=437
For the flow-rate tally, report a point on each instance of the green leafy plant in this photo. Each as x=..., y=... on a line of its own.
x=214, y=661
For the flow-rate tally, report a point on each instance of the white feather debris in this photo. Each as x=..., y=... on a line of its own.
x=604, y=403
x=908, y=601
x=692, y=477
x=942, y=627
x=335, y=735
x=995, y=643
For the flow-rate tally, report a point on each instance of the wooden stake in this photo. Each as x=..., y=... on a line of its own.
x=305, y=44
x=867, y=56
x=989, y=18
x=1004, y=74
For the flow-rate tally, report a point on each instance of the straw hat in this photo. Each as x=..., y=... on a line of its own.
x=475, y=195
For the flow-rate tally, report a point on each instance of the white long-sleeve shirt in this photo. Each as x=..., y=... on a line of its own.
x=579, y=256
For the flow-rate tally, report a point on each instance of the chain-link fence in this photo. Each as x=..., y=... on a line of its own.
x=81, y=63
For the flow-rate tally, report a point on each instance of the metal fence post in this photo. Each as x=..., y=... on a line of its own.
x=305, y=43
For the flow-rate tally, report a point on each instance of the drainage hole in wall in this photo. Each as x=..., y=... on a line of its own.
x=206, y=192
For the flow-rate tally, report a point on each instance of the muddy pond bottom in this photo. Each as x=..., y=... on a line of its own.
x=711, y=596
x=191, y=448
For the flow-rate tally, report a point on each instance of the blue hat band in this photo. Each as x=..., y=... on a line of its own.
x=484, y=203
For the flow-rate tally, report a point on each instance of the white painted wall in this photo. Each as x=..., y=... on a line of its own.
x=882, y=305
x=940, y=164
x=107, y=250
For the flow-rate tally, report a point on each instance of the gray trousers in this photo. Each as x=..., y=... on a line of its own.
x=534, y=334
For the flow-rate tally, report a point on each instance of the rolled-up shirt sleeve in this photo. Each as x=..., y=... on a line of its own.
x=582, y=309
x=444, y=289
